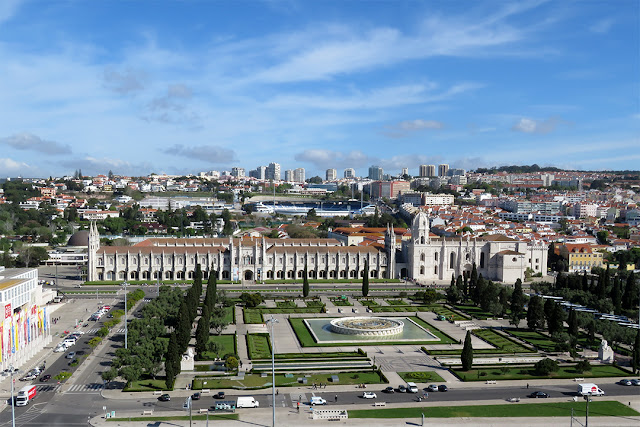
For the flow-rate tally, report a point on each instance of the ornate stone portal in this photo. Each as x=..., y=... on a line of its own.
x=370, y=326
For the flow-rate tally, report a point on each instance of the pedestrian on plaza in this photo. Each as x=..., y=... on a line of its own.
x=527, y=386
x=336, y=397
x=299, y=399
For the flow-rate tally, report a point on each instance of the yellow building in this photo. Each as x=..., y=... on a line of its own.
x=583, y=257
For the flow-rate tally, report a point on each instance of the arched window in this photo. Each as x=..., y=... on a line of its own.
x=452, y=259
x=422, y=269
x=421, y=257
x=481, y=259
x=422, y=240
x=435, y=269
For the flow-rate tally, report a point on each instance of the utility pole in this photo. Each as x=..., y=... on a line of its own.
x=13, y=403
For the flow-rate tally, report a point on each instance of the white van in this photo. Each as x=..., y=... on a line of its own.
x=589, y=389
x=317, y=400
x=247, y=402
x=412, y=387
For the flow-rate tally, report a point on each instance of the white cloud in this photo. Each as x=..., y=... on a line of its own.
x=208, y=153
x=93, y=165
x=602, y=26
x=528, y=125
x=420, y=124
x=11, y=167
x=31, y=142
x=124, y=82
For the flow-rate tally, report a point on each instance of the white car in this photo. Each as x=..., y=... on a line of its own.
x=369, y=395
x=317, y=400
x=59, y=349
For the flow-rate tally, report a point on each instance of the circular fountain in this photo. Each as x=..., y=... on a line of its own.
x=369, y=326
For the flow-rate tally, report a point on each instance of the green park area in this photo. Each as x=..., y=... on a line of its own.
x=226, y=344
x=258, y=381
x=421, y=377
x=211, y=417
x=554, y=409
x=540, y=341
x=255, y=315
x=510, y=372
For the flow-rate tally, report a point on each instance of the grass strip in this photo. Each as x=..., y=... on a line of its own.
x=509, y=372
x=556, y=409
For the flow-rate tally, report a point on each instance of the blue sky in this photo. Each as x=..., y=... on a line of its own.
x=171, y=86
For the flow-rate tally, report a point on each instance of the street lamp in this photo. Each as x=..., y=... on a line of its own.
x=124, y=285
x=271, y=322
x=13, y=403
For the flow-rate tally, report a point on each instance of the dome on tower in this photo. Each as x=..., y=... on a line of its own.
x=79, y=238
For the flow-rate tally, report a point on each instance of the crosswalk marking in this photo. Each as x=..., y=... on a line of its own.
x=94, y=330
x=84, y=388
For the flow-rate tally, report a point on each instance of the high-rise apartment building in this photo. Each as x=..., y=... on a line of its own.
x=288, y=175
x=349, y=173
x=331, y=175
x=375, y=172
x=298, y=175
x=443, y=169
x=427, y=170
x=273, y=171
x=405, y=171
x=259, y=173
x=237, y=172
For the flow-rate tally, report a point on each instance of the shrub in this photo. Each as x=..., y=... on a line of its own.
x=483, y=374
x=583, y=366
x=546, y=366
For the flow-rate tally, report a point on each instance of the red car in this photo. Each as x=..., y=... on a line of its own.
x=45, y=378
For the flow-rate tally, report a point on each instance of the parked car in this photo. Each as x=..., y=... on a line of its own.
x=45, y=378
x=219, y=395
x=369, y=395
x=317, y=400
x=29, y=377
x=538, y=394
x=402, y=388
x=389, y=390
x=635, y=382
x=442, y=387
x=164, y=398
x=195, y=396
x=625, y=382
x=71, y=355
x=432, y=387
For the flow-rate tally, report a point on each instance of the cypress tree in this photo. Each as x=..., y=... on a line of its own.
x=365, y=280
x=630, y=292
x=517, y=303
x=616, y=295
x=305, y=283
x=197, y=280
x=212, y=290
x=535, y=313
x=573, y=323
x=202, y=334
x=466, y=357
x=172, y=361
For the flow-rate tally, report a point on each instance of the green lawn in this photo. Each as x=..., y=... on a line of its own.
x=555, y=409
x=528, y=373
x=258, y=346
x=146, y=385
x=501, y=342
x=444, y=338
x=535, y=338
x=230, y=315
x=256, y=381
x=252, y=315
x=286, y=304
x=340, y=302
x=227, y=345
x=369, y=303
x=474, y=311
x=314, y=303
x=421, y=377
x=448, y=313
x=396, y=302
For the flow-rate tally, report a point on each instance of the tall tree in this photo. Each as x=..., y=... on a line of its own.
x=197, y=280
x=172, y=361
x=573, y=323
x=517, y=303
x=630, y=292
x=305, y=282
x=616, y=295
x=474, y=284
x=212, y=289
x=535, y=313
x=466, y=357
x=202, y=334
x=365, y=280
x=557, y=319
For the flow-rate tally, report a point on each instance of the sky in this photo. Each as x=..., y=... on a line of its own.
x=183, y=86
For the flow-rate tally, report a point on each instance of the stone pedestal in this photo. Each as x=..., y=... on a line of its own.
x=188, y=361
x=605, y=353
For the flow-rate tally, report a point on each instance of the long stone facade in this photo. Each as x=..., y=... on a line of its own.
x=424, y=258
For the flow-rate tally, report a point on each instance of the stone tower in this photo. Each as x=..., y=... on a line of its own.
x=390, y=247
x=94, y=245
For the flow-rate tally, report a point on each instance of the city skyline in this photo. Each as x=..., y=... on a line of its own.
x=183, y=87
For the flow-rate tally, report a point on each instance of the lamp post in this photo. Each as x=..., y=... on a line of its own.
x=13, y=403
x=588, y=399
x=124, y=285
x=271, y=322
